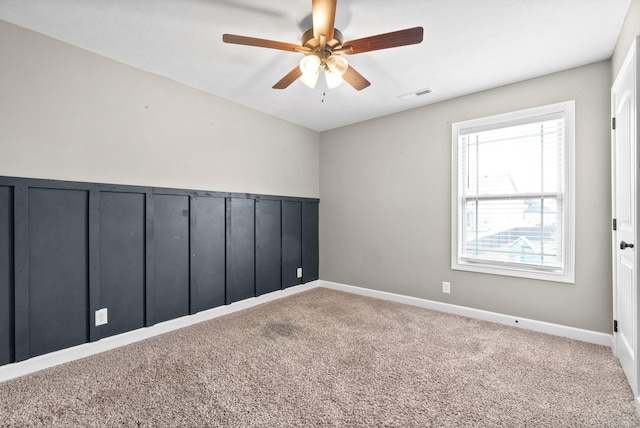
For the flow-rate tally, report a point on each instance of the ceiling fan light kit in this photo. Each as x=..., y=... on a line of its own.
x=323, y=47
x=333, y=68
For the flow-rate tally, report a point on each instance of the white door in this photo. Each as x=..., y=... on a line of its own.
x=624, y=98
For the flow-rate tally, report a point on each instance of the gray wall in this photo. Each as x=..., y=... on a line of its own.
x=68, y=114
x=385, y=212
x=630, y=30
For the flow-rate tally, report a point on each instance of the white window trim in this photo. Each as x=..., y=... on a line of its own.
x=507, y=119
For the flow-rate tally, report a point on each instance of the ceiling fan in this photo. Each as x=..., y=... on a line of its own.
x=323, y=46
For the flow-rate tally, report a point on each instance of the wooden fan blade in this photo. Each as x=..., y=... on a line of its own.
x=410, y=36
x=355, y=79
x=288, y=79
x=324, y=17
x=262, y=43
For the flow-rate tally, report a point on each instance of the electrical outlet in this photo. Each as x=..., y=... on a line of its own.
x=101, y=317
x=446, y=287
x=299, y=272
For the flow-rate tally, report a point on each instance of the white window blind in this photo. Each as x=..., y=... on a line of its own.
x=512, y=193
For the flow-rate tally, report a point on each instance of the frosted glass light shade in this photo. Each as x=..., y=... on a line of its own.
x=334, y=79
x=337, y=64
x=309, y=64
x=310, y=79
x=310, y=67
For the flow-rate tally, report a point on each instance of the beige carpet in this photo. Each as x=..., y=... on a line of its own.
x=326, y=358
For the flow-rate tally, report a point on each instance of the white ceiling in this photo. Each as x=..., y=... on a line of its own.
x=469, y=46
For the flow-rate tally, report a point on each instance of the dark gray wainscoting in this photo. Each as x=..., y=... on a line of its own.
x=122, y=260
x=208, y=247
x=240, y=249
x=147, y=255
x=268, y=246
x=7, y=350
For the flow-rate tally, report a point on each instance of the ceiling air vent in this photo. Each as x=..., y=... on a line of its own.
x=415, y=94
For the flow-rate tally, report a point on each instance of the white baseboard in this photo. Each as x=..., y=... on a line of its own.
x=14, y=370
x=528, y=324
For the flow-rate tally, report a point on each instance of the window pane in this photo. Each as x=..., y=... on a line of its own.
x=517, y=159
x=513, y=231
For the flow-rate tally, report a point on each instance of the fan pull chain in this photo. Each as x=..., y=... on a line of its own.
x=324, y=88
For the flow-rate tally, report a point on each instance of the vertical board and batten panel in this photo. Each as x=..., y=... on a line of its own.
x=291, y=243
x=93, y=258
x=6, y=275
x=310, y=242
x=171, y=254
x=147, y=255
x=207, y=253
x=122, y=261
x=150, y=265
x=240, y=249
x=268, y=246
x=21, y=272
x=58, y=269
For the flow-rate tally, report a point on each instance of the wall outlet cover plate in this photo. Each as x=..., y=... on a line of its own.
x=101, y=317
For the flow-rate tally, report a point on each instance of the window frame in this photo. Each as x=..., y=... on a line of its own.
x=567, y=273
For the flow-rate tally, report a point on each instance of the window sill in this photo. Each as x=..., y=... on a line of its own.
x=515, y=271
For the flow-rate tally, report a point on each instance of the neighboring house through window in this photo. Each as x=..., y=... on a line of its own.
x=513, y=193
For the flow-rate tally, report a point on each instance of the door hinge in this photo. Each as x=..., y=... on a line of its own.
x=615, y=224
x=615, y=326
x=613, y=123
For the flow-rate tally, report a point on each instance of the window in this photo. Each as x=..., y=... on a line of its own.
x=512, y=194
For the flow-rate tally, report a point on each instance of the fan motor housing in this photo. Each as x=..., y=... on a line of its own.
x=309, y=41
